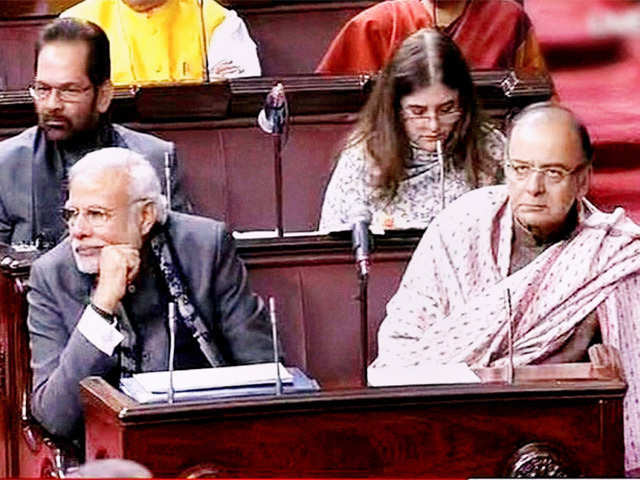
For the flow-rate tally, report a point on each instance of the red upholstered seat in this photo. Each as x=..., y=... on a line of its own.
x=597, y=77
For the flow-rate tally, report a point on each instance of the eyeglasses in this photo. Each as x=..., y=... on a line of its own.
x=97, y=217
x=42, y=91
x=417, y=112
x=522, y=171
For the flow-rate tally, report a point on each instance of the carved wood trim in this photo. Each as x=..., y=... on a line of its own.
x=202, y=470
x=540, y=460
x=242, y=98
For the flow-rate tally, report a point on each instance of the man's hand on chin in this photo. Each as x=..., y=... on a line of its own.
x=119, y=265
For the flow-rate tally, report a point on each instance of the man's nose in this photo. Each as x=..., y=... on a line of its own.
x=535, y=183
x=80, y=227
x=52, y=101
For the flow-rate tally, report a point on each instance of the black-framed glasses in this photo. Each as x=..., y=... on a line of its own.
x=71, y=93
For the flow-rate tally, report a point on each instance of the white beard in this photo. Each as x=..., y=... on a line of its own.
x=86, y=264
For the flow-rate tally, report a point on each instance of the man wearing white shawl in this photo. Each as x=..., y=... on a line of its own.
x=567, y=268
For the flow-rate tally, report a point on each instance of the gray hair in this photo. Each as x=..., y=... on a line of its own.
x=143, y=180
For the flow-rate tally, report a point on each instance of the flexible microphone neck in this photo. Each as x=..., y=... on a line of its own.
x=441, y=167
x=167, y=178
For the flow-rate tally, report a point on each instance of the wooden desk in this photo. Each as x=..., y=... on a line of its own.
x=395, y=432
x=313, y=280
x=456, y=431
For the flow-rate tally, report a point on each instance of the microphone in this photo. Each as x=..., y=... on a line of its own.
x=273, y=117
x=441, y=164
x=167, y=177
x=274, y=337
x=172, y=348
x=510, y=368
x=360, y=239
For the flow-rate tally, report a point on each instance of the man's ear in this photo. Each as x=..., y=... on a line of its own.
x=584, y=181
x=148, y=217
x=105, y=95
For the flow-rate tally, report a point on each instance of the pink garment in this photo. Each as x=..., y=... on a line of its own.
x=451, y=304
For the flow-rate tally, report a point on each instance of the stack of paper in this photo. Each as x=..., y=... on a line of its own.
x=212, y=383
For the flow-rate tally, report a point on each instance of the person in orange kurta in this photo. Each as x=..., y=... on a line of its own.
x=491, y=34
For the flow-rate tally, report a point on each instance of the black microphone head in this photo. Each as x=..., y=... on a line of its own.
x=275, y=98
x=273, y=116
x=360, y=239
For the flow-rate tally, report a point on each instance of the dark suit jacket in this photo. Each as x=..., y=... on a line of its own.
x=61, y=356
x=21, y=176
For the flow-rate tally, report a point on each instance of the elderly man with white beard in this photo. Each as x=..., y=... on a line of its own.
x=98, y=301
x=568, y=268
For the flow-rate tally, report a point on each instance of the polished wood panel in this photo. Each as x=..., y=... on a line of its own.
x=6, y=451
x=24, y=9
x=459, y=431
x=316, y=293
x=17, y=43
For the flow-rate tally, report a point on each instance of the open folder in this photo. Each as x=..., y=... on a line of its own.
x=215, y=383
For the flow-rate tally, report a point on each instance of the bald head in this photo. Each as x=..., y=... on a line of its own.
x=553, y=115
x=548, y=167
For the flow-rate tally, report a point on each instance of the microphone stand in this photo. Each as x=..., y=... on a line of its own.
x=172, y=349
x=510, y=368
x=441, y=165
x=363, y=283
x=277, y=161
x=274, y=338
x=360, y=238
x=276, y=112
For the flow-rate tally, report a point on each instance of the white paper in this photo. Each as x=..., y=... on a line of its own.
x=208, y=378
x=422, y=374
x=253, y=234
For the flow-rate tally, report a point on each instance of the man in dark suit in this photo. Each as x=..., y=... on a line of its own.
x=99, y=300
x=71, y=92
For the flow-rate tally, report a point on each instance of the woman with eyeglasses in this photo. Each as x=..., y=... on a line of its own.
x=390, y=168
